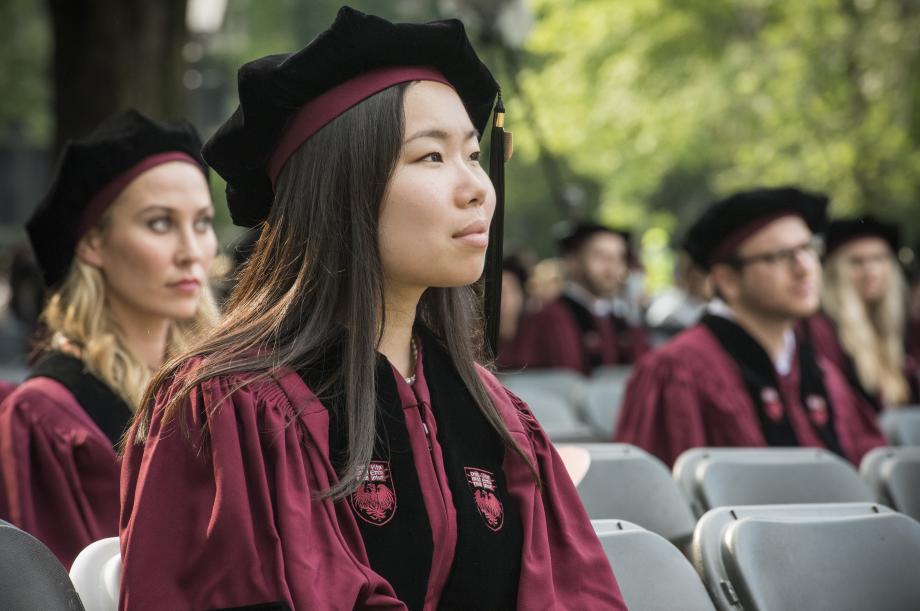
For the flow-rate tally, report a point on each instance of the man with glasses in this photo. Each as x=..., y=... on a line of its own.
x=739, y=378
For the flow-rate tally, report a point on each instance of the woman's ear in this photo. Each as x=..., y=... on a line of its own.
x=89, y=248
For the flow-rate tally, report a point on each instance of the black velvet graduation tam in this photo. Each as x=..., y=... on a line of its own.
x=580, y=234
x=728, y=222
x=90, y=174
x=274, y=89
x=841, y=231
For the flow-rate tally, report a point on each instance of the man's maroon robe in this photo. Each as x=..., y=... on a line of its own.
x=690, y=393
x=552, y=338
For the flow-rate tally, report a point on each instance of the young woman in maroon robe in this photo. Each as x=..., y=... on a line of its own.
x=581, y=330
x=333, y=444
x=863, y=324
x=740, y=378
x=124, y=240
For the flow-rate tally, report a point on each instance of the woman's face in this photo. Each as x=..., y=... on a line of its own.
x=156, y=244
x=869, y=264
x=435, y=215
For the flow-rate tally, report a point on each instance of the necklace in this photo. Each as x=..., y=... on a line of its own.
x=413, y=357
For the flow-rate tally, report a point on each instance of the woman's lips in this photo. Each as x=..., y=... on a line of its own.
x=475, y=234
x=189, y=286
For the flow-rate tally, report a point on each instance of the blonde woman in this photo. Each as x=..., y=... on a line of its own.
x=124, y=239
x=862, y=326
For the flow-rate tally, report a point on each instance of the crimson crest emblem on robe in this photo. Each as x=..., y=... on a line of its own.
x=375, y=499
x=817, y=409
x=482, y=485
x=772, y=404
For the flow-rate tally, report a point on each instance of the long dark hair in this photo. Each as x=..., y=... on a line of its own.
x=314, y=285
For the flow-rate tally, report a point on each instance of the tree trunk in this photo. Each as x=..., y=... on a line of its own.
x=110, y=55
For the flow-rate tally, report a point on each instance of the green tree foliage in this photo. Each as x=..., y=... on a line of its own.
x=668, y=102
x=24, y=56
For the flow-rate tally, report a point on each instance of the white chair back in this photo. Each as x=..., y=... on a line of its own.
x=96, y=575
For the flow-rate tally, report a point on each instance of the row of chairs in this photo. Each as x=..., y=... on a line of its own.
x=820, y=557
x=624, y=482
x=570, y=406
x=766, y=529
x=575, y=408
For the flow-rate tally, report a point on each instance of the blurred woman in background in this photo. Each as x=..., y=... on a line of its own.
x=124, y=241
x=863, y=324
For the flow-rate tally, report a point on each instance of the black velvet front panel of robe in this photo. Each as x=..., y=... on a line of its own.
x=591, y=337
x=108, y=410
x=759, y=374
x=486, y=565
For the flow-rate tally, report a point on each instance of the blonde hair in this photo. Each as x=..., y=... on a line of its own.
x=76, y=315
x=872, y=334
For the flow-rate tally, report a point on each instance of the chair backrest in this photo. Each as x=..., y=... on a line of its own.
x=603, y=397
x=96, y=574
x=31, y=577
x=624, y=482
x=820, y=557
x=558, y=418
x=562, y=382
x=901, y=426
x=714, y=477
x=652, y=574
x=894, y=476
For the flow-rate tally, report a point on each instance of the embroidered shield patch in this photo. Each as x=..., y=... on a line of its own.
x=375, y=499
x=772, y=404
x=817, y=408
x=482, y=485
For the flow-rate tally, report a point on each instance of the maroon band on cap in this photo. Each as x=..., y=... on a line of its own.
x=104, y=198
x=322, y=109
x=733, y=241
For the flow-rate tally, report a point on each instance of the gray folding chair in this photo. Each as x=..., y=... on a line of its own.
x=652, y=574
x=553, y=396
x=603, y=397
x=901, y=426
x=624, y=482
x=561, y=382
x=819, y=557
x=894, y=475
x=558, y=419
x=31, y=578
x=714, y=477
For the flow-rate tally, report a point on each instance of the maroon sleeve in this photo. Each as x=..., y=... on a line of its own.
x=563, y=565
x=662, y=411
x=58, y=471
x=235, y=520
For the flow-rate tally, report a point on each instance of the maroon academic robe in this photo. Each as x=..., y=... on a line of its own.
x=821, y=331
x=553, y=338
x=689, y=393
x=58, y=471
x=236, y=521
x=6, y=388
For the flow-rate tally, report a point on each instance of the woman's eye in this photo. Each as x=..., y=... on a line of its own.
x=433, y=157
x=204, y=223
x=475, y=156
x=160, y=225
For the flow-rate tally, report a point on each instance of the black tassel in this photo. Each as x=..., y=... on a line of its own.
x=493, y=267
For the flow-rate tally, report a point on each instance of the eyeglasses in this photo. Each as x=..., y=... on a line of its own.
x=785, y=256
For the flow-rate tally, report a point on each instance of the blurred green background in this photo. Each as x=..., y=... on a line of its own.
x=633, y=112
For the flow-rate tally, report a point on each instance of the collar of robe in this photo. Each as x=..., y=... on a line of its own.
x=102, y=404
x=762, y=384
x=586, y=321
